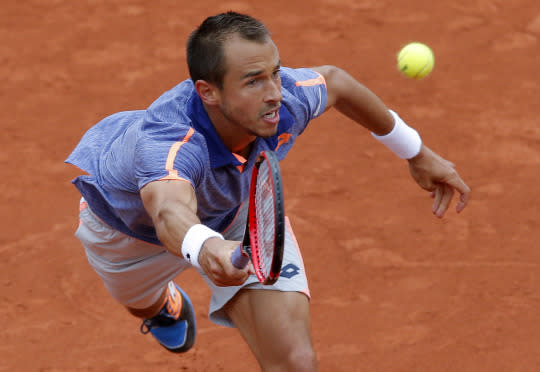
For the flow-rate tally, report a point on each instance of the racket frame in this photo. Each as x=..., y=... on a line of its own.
x=279, y=219
x=248, y=249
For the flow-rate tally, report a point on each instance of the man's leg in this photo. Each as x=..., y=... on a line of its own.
x=151, y=310
x=139, y=276
x=171, y=321
x=277, y=327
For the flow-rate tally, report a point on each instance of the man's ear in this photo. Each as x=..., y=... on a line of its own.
x=208, y=92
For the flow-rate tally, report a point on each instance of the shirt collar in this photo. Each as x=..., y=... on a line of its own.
x=221, y=155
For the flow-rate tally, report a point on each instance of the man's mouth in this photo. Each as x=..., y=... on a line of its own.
x=270, y=115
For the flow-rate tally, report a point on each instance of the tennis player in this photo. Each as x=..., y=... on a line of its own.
x=166, y=187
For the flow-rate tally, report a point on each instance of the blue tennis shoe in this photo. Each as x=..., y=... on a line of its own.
x=174, y=326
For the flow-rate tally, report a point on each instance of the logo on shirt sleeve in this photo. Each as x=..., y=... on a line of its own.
x=282, y=139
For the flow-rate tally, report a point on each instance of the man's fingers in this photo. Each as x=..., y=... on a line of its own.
x=437, y=197
x=447, y=192
x=464, y=191
x=462, y=203
x=226, y=281
x=443, y=195
x=225, y=275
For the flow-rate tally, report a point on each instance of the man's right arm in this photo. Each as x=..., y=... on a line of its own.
x=172, y=205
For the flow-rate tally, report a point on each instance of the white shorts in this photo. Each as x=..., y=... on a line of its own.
x=136, y=272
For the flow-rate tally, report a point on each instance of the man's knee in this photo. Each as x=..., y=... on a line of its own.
x=302, y=359
x=298, y=359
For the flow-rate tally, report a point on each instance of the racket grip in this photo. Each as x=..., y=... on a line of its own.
x=239, y=259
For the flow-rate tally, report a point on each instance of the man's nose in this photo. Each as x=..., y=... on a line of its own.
x=274, y=92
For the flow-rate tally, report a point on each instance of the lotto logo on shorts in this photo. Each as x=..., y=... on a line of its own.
x=290, y=270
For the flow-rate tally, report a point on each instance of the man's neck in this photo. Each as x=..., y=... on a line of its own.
x=236, y=139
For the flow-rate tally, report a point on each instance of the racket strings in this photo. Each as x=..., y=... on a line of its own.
x=265, y=209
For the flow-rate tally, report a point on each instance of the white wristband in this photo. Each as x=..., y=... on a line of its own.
x=403, y=140
x=194, y=240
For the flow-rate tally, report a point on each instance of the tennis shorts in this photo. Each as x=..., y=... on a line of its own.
x=136, y=272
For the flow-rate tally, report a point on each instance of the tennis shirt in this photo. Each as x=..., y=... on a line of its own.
x=175, y=139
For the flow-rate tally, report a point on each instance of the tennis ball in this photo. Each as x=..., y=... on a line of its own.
x=415, y=60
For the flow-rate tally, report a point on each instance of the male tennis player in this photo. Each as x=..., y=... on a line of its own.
x=169, y=183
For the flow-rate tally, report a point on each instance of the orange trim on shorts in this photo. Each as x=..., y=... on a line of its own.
x=173, y=151
x=319, y=80
x=82, y=206
x=289, y=228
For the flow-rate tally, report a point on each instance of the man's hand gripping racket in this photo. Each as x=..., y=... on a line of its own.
x=264, y=237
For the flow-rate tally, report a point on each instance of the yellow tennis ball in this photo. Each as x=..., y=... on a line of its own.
x=415, y=60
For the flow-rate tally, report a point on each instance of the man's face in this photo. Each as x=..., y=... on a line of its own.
x=251, y=93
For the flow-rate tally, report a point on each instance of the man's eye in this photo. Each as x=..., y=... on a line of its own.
x=252, y=82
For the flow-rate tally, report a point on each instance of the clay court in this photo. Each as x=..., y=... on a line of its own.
x=393, y=287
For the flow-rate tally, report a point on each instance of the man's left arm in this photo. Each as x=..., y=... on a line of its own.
x=428, y=169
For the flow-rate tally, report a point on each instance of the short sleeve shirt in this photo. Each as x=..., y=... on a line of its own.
x=175, y=139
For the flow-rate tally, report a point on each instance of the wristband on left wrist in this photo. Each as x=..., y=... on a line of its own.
x=402, y=140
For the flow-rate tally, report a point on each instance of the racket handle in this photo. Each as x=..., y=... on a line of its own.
x=239, y=259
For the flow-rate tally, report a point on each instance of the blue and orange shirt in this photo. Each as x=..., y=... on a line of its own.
x=175, y=139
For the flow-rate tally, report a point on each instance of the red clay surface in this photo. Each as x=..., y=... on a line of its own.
x=394, y=288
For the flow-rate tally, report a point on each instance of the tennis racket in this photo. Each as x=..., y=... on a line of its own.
x=264, y=235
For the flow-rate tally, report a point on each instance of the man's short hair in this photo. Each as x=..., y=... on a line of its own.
x=205, y=53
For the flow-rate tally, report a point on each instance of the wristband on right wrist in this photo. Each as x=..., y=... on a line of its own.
x=403, y=140
x=194, y=240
